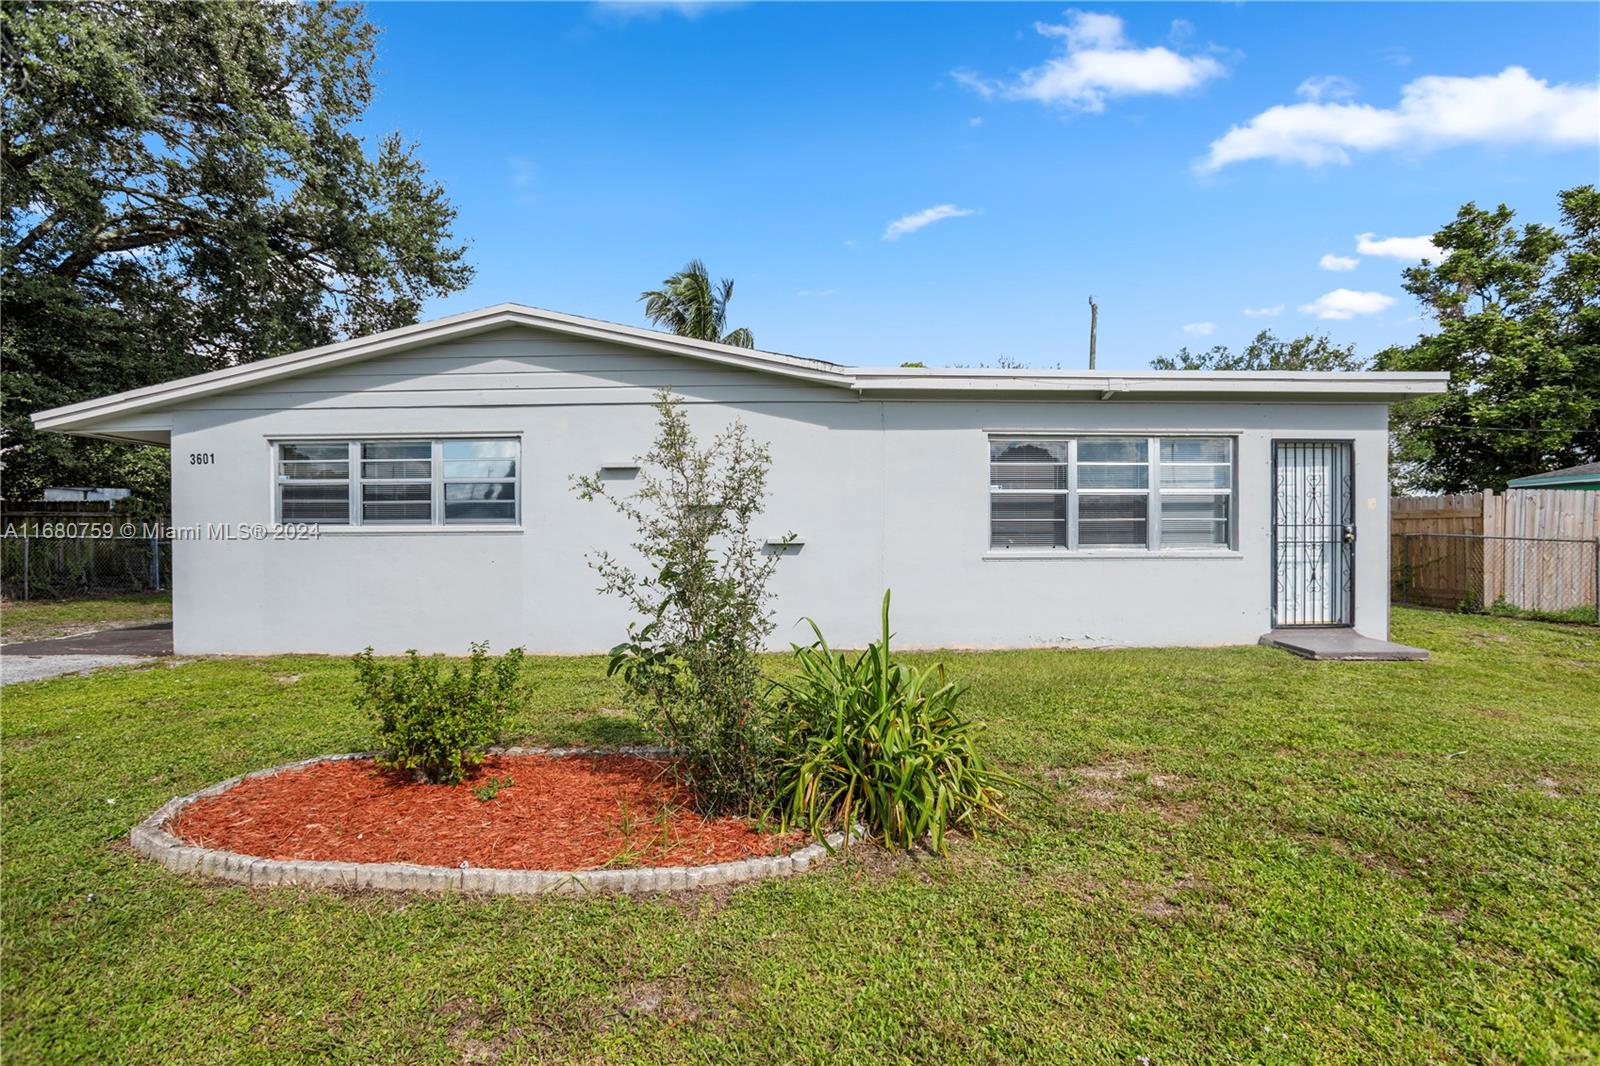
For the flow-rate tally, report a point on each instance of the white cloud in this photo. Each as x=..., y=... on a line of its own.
x=523, y=170
x=1508, y=108
x=1409, y=248
x=1271, y=311
x=913, y=222
x=624, y=11
x=1096, y=63
x=975, y=120
x=1326, y=87
x=1338, y=262
x=816, y=292
x=1347, y=303
x=1200, y=329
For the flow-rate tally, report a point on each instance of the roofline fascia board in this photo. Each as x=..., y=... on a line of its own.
x=1354, y=386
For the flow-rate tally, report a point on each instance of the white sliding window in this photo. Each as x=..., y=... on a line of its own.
x=399, y=482
x=314, y=484
x=1110, y=492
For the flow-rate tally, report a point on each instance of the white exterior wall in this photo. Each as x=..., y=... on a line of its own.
x=883, y=493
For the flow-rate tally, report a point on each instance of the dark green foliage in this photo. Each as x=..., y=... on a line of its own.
x=184, y=189
x=692, y=666
x=1267, y=352
x=691, y=306
x=434, y=723
x=1518, y=313
x=874, y=741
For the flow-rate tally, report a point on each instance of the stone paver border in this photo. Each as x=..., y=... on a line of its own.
x=151, y=840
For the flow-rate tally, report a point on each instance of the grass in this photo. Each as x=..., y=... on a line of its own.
x=1580, y=615
x=38, y=619
x=1234, y=855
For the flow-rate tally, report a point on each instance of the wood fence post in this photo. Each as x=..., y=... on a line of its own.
x=1405, y=568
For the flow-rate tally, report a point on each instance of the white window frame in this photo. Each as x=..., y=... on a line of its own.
x=1152, y=492
x=355, y=480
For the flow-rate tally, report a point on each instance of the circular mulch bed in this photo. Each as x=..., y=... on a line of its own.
x=572, y=812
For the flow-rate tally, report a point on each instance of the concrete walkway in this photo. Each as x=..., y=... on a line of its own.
x=1338, y=642
x=36, y=660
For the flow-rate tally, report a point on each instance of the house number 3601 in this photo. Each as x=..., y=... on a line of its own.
x=202, y=458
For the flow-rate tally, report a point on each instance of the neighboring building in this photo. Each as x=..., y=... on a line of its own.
x=85, y=495
x=1004, y=507
x=1585, y=477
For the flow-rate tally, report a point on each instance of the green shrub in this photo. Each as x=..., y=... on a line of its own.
x=435, y=723
x=880, y=743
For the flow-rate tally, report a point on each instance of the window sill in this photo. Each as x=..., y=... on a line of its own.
x=402, y=531
x=1117, y=553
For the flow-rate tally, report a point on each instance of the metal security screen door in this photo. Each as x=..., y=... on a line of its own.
x=1313, y=534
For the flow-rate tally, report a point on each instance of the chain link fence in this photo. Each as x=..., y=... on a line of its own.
x=1528, y=577
x=38, y=567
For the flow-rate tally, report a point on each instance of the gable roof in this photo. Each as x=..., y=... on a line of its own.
x=89, y=416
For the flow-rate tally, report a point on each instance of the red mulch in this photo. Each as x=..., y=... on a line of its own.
x=560, y=813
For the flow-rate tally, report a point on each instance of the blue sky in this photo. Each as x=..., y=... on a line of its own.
x=1035, y=153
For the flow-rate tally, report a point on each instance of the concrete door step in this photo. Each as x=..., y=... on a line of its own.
x=1338, y=642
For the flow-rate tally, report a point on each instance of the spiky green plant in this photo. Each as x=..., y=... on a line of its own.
x=880, y=743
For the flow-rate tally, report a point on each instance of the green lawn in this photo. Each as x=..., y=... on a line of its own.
x=38, y=619
x=1235, y=855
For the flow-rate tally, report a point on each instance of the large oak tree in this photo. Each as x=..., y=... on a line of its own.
x=1518, y=316
x=185, y=189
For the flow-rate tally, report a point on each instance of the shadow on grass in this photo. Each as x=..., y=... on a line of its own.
x=607, y=729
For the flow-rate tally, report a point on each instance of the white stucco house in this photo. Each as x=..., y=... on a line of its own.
x=1005, y=508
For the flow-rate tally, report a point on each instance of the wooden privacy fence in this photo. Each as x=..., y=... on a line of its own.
x=1528, y=550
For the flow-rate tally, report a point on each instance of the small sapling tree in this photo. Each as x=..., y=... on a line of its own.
x=700, y=588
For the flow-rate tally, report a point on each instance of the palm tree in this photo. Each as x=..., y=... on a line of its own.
x=689, y=305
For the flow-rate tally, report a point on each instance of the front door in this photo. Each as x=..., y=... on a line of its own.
x=1313, y=534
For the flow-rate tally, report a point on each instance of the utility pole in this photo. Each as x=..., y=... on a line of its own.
x=1094, y=327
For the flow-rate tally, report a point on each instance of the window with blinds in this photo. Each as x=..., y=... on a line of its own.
x=399, y=482
x=314, y=484
x=1110, y=492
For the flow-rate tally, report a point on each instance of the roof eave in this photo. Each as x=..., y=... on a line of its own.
x=77, y=416
x=1374, y=387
